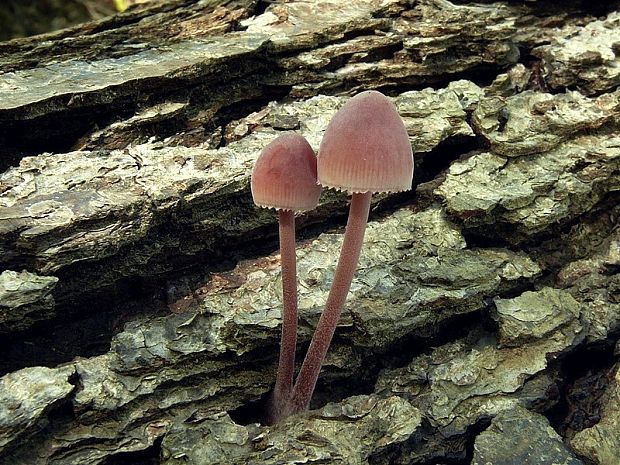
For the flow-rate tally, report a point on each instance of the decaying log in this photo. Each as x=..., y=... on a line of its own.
x=140, y=289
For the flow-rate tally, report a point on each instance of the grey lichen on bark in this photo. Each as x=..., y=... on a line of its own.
x=473, y=294
x=584, y=57
x=600, y=442
x=535, y=122
x=506, y=191
x=458, y=384
x=26, y=397
x=346, y=432
x=533, y=315
x=496, y=447
x=24, y=297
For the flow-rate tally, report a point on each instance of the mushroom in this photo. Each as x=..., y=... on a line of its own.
x=365, y=149
x=284, y=178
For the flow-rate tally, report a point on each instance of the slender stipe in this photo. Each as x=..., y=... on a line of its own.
x=347, y=264
x=286, y=364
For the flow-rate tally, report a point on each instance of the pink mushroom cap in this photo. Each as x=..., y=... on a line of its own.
x=284, y=176
x=366, y=147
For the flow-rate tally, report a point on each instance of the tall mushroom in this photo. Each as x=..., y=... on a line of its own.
x=284, y=178
x=365, y=149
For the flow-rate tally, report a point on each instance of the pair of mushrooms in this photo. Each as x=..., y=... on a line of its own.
x=365, y=149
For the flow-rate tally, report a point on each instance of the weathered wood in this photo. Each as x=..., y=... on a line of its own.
x=127, y=146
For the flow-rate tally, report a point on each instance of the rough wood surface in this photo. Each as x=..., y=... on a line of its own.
x=140, y=290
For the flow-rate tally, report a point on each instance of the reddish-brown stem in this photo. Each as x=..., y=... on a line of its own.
x=347, y=264
x=288, y=343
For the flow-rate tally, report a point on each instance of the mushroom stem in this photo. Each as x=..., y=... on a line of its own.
x=347, y=264
x=286, y=364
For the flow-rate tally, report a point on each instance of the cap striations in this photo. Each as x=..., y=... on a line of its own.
x=284, y=176
x=366, y=147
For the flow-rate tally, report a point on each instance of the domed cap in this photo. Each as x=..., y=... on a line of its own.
x=284, y=176
x=366, y=147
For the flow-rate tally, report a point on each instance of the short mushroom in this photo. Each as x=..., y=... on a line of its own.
x=284, y=178
x=365, y=149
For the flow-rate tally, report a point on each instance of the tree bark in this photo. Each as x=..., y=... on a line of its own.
x=140, y=299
